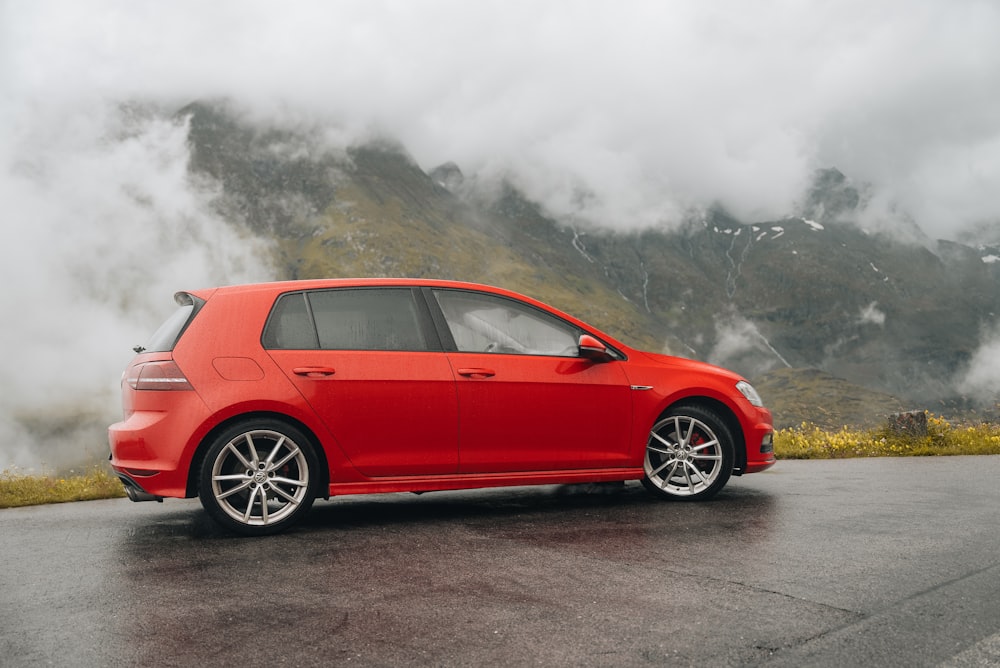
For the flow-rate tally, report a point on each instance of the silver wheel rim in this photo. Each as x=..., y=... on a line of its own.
x=260, y=477
x=683, y=456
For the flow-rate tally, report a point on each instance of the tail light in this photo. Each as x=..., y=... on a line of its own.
x=165, y=375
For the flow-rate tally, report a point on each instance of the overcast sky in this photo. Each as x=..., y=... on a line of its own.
x=628, y=113
x=640, y=109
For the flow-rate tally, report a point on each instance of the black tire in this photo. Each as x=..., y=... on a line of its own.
x=259, y=477
x=689, y=454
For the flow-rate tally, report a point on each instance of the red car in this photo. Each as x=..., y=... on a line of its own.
x=260, y=398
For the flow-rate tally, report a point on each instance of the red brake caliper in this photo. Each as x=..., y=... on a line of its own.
x=697, y=439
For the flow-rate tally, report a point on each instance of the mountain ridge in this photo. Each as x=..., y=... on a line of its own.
x=812, y=291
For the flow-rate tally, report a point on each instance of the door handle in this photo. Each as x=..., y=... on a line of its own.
x=314, y=371
x=477, y=373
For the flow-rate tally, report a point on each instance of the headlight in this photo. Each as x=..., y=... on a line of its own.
x=746, y=389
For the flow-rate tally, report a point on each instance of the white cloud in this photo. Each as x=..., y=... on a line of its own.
x=871, y=315
x=982, y=378
x=102, y=226
x=649, y=108
x=740, y=345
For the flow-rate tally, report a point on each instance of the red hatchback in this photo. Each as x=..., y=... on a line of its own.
x=260, y=398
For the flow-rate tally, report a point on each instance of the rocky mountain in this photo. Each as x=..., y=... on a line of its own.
x=812, y=293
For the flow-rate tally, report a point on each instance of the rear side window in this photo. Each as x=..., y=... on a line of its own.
x=290, y=326
x=169, y=333
x=348, y=319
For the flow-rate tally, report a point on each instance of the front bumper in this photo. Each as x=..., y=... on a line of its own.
x=759, y=444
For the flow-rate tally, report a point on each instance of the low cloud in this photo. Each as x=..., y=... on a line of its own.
x=103, y=225
x=982, y=377
x=871, y=315
x=624, y=113
x=740, y=345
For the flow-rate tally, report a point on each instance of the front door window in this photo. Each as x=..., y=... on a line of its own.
x=528, y=401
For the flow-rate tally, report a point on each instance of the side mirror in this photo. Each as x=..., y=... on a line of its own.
x=593, y=350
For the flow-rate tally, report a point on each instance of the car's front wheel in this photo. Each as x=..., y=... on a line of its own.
x=689, y=454
x=259, y=477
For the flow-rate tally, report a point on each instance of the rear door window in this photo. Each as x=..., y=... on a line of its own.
x=346, y=319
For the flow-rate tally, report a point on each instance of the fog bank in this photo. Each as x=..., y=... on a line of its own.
x=625, y=113
x=102, y=226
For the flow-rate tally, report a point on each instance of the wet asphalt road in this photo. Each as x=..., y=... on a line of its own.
x=892, y=562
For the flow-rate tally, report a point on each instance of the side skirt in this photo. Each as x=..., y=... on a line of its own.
x=478, y=480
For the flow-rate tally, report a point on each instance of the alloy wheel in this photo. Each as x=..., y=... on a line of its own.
x=260, y=478
x=685, y=457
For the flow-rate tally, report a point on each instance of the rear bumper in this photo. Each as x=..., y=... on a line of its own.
x=146, y=455
x=135, y=491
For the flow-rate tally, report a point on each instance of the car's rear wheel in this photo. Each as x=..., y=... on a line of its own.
x=259, y=477
x=689, y=454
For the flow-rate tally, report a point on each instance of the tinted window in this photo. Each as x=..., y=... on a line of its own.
x=485, y=323
x=362, y=319
x=290, y=326
x=167, y=335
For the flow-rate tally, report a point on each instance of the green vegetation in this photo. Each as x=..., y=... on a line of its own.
x=20, y=489
x=940, y=438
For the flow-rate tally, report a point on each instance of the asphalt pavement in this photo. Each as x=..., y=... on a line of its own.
x=889, y=562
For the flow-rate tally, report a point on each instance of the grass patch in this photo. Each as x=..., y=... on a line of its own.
x=808, y=441
x=19, y=489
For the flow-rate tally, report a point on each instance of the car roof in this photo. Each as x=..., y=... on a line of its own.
x=314, y=283
x=278, y=287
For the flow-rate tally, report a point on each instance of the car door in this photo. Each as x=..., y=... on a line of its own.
x=527, y=400
x=369, y=364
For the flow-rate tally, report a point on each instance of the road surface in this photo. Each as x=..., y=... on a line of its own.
x=890, y=562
